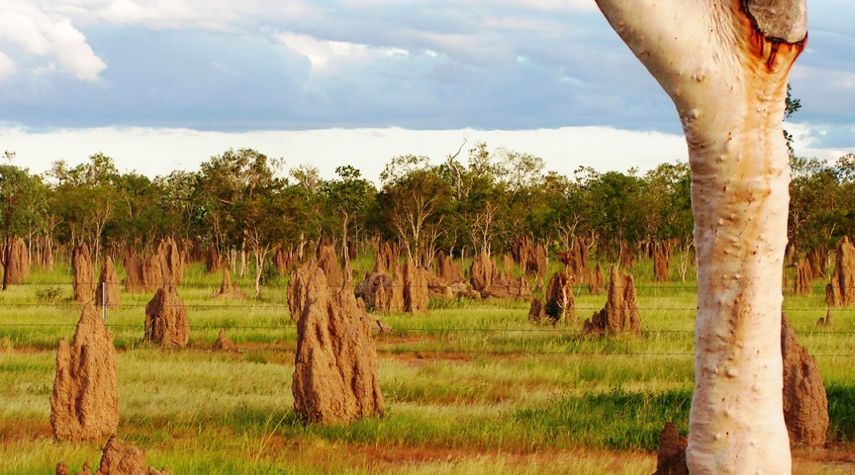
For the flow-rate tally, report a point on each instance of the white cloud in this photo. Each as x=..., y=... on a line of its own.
x=7, y=65
x=42, y=33
x=321, y=52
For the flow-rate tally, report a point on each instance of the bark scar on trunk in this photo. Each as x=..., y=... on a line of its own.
x=777, y=26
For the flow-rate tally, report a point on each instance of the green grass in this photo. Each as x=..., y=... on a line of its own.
x=471, y=387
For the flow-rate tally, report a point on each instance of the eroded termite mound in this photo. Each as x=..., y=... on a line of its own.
x=85, y=403
x=18, y=268
x=117, y=459
x=166, y=322
x=224, y=343
x=805, y=400
x=107, y=292
x=620, y=315
x=83, y=281
x=335, y=374
x=840, y=291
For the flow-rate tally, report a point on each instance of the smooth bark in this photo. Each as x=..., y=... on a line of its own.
x=725, y=64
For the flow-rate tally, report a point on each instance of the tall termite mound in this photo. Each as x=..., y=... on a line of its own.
x=134, y=280
x=671, y=458
x=107, y=292
x=117, y=459
x=155, y=273
x=662, y=252
x=212, y=259
x=840, y=292
x=328, y=261
x=335, y=374
x=172, y=261
x=804, y=278
x=560, y=302
x=283, y=259
x=416, y=294
x=447, y=270
x=386, y=257
x=575, y=261
x=620, y=314
x=84, y=404
x=83, y=280
x=481, y=272
x=18, y=268
x=805, y=400
x=166, y=322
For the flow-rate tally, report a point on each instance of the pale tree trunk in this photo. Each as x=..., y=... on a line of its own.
x=725, y=64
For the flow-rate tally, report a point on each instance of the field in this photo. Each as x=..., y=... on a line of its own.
x=471, y=387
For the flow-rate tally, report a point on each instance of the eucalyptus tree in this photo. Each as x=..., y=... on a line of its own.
x=725, y=64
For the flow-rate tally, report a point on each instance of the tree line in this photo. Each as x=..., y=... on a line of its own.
x=475, y=200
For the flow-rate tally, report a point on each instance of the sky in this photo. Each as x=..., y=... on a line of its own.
x=164, y=84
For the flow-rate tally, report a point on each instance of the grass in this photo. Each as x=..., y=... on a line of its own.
x=471, y=387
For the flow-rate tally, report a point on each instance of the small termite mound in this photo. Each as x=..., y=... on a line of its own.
x=335, y=374
x=840, y=292
x=671, y=458
x=804, y=278
x=85, y=403
x=805, y=400
x=83, y=281
x=620, y=315
x=155, y=273
x=166, y=322
x=107, y=292
x=416, y=293
x=18, y=268
x=117, y=459
x=560, y=302
x=224, y=343
x=229, y=289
